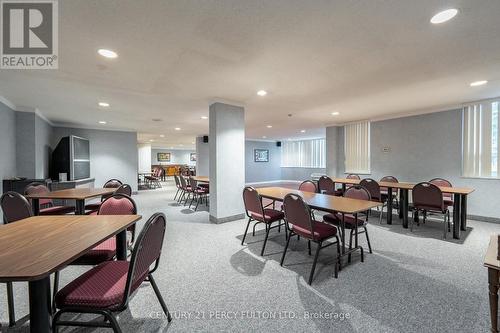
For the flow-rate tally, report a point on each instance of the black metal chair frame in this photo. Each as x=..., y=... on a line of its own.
x=318, y=242
x=110, y=320
x=197, y=196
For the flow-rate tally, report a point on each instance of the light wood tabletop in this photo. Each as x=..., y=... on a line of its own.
x=73, y=193
x=202, y=179
x=319, y=201
x=33, y=248
x=491, y=258
x=405, y=186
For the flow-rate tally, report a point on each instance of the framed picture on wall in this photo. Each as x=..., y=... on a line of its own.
x=192, y=157
x=261, y=155
x=163, y=157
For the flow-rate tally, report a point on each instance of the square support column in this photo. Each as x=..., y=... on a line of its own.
x=227, y=162
x=332, y=156
x=202, y=157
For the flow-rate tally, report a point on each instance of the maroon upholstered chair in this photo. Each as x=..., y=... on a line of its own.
x=178, y=186
x=353, y=176
x=385, y=191
x=256, y=212
x=327, y=186
x=112, y=183
x=300, y=221
x=124, y=189
x=15, y=207
x=186, y=190
x=47, y=205
x=447, y=197
x=108, y=287
x=376, y=195
x=350, y=221
x=428, y=198
x=199, y=193
x=308, y=186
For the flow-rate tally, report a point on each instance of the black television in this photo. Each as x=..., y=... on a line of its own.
x=72, y=157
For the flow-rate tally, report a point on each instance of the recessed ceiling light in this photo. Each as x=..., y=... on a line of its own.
x=104, y=104
x=478, y=83
x=162, y=135
x=192, y=143
x=444, y=16
x=302, y=131
x=204, y=117
x=107, y=53
x=180, y=144
x=177, y=128
x=269, y=126
x=264, y=137
x=102, y=122
x=151, y=140
x=262, y=93
x=335, y=113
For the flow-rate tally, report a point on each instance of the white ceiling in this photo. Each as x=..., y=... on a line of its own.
x=365, y=59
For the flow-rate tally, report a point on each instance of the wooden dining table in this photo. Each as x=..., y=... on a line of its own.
x=328, y=204
x=31, y=249
x=202, y=179
x=77, y=194
x=459, y=201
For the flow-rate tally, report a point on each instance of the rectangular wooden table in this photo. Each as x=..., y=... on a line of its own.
x=77, y=194
x=459, y=201
x=492, y=262
x=325, y=203
x=33, y=248
x=201, y=179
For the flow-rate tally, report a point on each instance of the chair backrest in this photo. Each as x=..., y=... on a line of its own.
x=118, y=204
x=357, y=192
x=427, y=196
x=113, y=183
x=325, y=184
x=442, y=183
x=389, y=179
x=124, y=189
x=353, y=176
x=183, y=182
x=307, y=186
x=193, y=183
x=177, y=182
x=15, y=207
x=373, y=187
x=298, y=213
x=146, y=252
x=252, y=201
x=39, y=188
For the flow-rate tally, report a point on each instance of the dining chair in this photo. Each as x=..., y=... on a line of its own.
x=447, y=197
x=300, y=221
x=327, y=186
x=112, y=183
x=186, y=190
x=256, y=212
x=308, y=186
x=15, y=207
x=428, y=198
x=178, y=186
x=47, y=206
x=199, y=193
x=385, y=191
x=375, y=194
x=350, y=222
x=124, y=189
x=108, y=287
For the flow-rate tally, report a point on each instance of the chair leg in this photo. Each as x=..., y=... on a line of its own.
x=449, y=224
x=175, y=196
x=246, y=230
x=314, y=263
x=339, y=262
x=284, y=252
x=56, y=287
x=265, y=240
x=160, y=298
x=368, y=240
x=309, y=246
x=381, y=213
x=10, y=304
x=114, y=324
x=444, y=234
x=350, y=245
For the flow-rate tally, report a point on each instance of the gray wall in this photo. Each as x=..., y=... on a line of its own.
x=262, y=171
x=113, y=154
x=7, y=144
x=177, y=156
x=423, y=147
x=43, y=150
x=300, y=174
x=25, y=144
x=332, y=139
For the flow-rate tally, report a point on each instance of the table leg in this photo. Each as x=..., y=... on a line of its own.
x=121, y=245
x=456, y=216
x=405, y=199
x=80, y=207
x=493, y=282
x=401, y=203
x=389, y=205
x=40, y=308
x=463, y=213
x=342, y=226
x=343, y=188
x=35, y=206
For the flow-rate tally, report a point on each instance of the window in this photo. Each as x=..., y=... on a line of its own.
x=357, y=147
x=304, y=154
x=480, y=139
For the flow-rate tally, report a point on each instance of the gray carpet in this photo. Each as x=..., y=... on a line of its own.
x=413, y=282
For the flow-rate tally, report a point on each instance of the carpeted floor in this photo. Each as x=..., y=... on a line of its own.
x=413, y=282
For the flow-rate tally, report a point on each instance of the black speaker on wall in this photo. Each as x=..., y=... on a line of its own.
x=278, y=143
x=205, y=139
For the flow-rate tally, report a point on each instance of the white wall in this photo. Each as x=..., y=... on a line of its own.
x=202, y=157
x=144, y=157
x=177, y=156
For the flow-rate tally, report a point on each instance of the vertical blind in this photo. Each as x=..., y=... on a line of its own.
x=304, y=154
x=357, y=147
x=480, y=136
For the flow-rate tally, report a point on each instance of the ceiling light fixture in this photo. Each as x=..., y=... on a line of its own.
x=102, y=122
x=204, y=117
x=269, y=126
x=264, y=137
x=302, y=131
x=104, y=104
x=262, y=93
x=151, y=140
x=177, y=128
x=107, y=53
x=444, y=16
x=478, y=83
x=162, y=135
x=335, y=113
